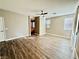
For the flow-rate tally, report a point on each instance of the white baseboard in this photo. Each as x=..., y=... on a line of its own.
x=76, y=55
x=15, y=38
x=41, y=34
x=58, y=35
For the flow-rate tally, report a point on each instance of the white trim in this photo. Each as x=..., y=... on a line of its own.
x=58, y=35
x=16, y=38
x=32, y=14
x=42, y=34
x=76, y=54
x=60, y=14
x=73, y=37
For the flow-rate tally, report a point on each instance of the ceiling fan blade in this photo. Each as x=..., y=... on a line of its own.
x=45, y=13
x=42, y=13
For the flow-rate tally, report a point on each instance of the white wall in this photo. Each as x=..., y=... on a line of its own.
x=1, y=4
x=42, y=25
x=57, y=27
x=17, y=24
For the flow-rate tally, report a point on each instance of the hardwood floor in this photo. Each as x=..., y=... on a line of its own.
x=40, y=47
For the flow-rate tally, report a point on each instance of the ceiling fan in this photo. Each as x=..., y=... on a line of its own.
x=43, y=13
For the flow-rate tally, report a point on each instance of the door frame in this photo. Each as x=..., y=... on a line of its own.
x=29, y=25
x=74, y=34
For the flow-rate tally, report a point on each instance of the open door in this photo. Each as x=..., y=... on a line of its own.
x=34, y=26
x=2, y=31
x=37, y=25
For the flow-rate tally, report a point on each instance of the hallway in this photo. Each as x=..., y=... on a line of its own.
x=40, y=47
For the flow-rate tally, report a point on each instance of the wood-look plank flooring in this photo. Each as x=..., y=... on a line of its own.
x=40, y=47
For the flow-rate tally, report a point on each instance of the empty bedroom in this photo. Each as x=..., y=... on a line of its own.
x=39, y=29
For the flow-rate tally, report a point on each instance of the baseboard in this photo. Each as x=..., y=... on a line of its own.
x=76, y=55
x=58, y=35
x=42, y=34
x=15, y=38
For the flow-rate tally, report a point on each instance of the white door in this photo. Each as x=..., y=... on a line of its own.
x=2, y=29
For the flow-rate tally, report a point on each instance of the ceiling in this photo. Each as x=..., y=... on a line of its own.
x=33, y=7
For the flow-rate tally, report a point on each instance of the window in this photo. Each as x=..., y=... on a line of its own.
x=68, y=23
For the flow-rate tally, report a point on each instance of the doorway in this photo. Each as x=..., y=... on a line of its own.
x=2, y=29
x=34, y=26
